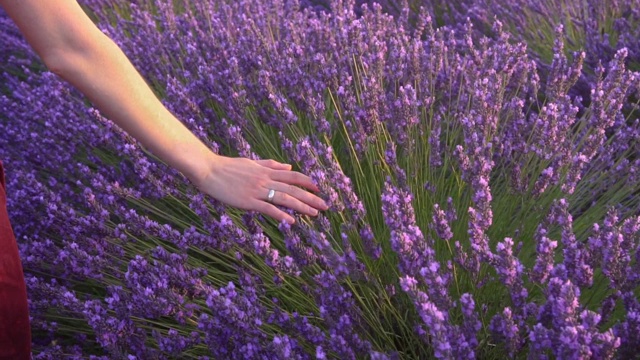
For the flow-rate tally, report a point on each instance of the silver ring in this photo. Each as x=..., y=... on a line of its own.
x=272, y=194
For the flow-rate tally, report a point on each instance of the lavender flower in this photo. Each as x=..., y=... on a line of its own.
x=392, y=113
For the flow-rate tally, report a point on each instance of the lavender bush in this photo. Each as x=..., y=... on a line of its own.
x=476, y=211
x=597, y=28
x=600, y=27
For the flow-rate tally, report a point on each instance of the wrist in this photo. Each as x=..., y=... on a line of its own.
x=198, y=163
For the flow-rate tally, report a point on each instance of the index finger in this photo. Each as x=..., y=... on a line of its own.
x=294, y=178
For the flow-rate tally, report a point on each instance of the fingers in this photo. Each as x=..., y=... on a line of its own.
x=296, y=199
x=284, y=174
x=272, y=164
x=273, y=211
x=294, y=178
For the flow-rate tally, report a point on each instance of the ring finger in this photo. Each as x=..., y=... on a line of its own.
x=293, y=198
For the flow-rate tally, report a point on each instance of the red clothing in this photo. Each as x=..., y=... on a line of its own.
x=15, y=331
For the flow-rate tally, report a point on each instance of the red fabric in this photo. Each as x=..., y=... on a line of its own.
x=15, y=332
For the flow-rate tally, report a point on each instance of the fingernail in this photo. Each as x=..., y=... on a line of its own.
x=314, y=212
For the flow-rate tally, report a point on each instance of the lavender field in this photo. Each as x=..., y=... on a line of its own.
x=481, y=160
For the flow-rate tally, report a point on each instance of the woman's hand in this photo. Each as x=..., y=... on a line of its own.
x=245, y=184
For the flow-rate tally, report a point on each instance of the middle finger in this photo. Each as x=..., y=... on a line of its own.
x=294, y=178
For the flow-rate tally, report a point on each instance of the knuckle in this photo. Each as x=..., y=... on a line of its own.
x=284, y=198
x=259, y=184
x=272, y=211
x=261, y=207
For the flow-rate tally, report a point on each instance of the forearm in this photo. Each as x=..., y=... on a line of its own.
x=75, y=49
x=104, y=74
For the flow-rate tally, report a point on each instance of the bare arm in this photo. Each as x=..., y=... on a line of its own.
x=73, y=47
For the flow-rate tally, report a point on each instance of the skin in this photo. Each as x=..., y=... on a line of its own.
x=72, y=47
